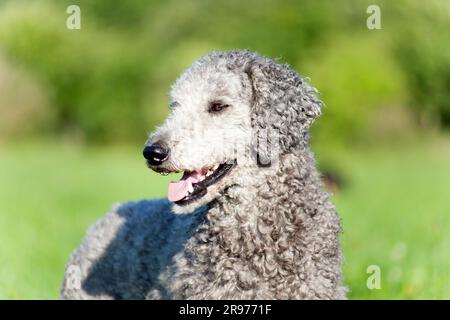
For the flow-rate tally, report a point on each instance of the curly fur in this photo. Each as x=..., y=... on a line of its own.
x=267, y=230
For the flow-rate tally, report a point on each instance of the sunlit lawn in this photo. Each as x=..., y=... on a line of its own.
x=395, y=210
x=396, y=215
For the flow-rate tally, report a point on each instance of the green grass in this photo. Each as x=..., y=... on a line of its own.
x=395, y=211
x=395, y=214
x=49, y=195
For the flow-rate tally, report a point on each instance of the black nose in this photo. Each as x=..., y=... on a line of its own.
x=155, y=154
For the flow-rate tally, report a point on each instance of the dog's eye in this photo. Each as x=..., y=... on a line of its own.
x=173, y=104
x=217, y=106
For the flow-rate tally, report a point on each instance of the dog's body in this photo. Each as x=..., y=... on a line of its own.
x=258, y=225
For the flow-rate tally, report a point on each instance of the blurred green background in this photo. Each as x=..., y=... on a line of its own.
x=76, y=106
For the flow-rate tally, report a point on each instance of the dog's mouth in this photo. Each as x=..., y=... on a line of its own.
x=193, y=185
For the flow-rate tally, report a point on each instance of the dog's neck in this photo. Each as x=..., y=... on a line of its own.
x=272, y=228
x=283, y=195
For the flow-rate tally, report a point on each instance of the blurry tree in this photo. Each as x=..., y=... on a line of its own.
x=24, y=108
x=423, y=51
x=108, y=81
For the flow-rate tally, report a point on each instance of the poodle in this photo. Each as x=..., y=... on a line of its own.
x=248, y=219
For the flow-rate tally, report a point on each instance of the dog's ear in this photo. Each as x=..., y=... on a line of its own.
x=283, y=107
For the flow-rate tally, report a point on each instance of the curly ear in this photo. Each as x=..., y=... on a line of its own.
x=283, y=106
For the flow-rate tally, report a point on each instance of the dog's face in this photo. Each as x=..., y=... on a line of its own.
x=206, y=135
x=230, y=113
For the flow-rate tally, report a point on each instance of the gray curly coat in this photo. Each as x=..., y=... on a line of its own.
x=267, y=230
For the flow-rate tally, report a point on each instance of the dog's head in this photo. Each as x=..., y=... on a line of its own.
x=229, y=112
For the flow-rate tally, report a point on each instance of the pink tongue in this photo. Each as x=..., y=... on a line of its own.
x=180, y=189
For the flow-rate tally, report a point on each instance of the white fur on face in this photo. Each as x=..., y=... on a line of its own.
x=198, y=138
